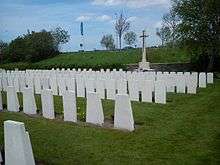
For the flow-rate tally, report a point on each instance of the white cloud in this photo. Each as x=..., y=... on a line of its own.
x=83, y=18
x=104, y=18
x=133, y=3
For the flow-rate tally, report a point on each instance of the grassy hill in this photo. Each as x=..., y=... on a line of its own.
x=104, y=59
x=184, y=131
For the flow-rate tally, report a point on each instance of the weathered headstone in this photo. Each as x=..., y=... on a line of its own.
x=29, y=104
x=160, y=92
x=18, y=150
x=123, y=116
x=12, y=100
x=47, y=103
x=94, y=111
x=69, y=106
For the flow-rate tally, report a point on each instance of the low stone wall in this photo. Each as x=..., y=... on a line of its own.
x=170, y=67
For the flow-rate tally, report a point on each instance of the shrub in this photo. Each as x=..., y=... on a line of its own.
x=31, y=47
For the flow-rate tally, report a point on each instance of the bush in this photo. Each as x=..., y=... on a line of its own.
x=31, y=47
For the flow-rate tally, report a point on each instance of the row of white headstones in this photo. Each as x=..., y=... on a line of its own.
x=144, y=86
x=123, y=116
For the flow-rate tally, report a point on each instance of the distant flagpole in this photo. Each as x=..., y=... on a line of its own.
x=82, y=36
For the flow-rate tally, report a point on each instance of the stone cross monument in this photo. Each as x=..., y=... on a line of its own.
x=144, y=65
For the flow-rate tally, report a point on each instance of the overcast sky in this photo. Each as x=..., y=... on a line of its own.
x=16, y=16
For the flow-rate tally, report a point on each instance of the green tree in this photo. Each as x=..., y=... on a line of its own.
x=107, y=41
x=199, y=29
x=130, y=38
x=33, y=47
x=61, y=36
x=3, y=46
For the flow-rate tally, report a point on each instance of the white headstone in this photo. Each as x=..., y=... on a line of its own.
x=61, y=85
x=29, y=104
x=180, y=83
x=22, y=82
x=121, y=85
x=160, y=92
x=69, y=106
x=90, y=85
x=12, y=100
x=146, y=87
x=30, y=83
x=71, y=84
x=53, y=84
x=100, y=88
x=133, y=88
x=202, y=80
x=47, y=103
x=45, y=82
x=80, y=86
x=4, y=83
x=191, y=84
x=171, y=83
x=123, y=116
x=195, y=77
x=110, y=88
x=16, y=84
x=210, y=78
x=37, y=84
x=94, y=111
x=18, y=150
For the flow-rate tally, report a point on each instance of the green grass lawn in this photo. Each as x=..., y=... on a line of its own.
x=184, y=131
x=105, y=59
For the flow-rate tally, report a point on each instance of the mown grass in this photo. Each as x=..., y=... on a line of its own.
x=184, y=131
x=104, y=59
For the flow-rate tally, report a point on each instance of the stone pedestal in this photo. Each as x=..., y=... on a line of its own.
x=143, y=65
